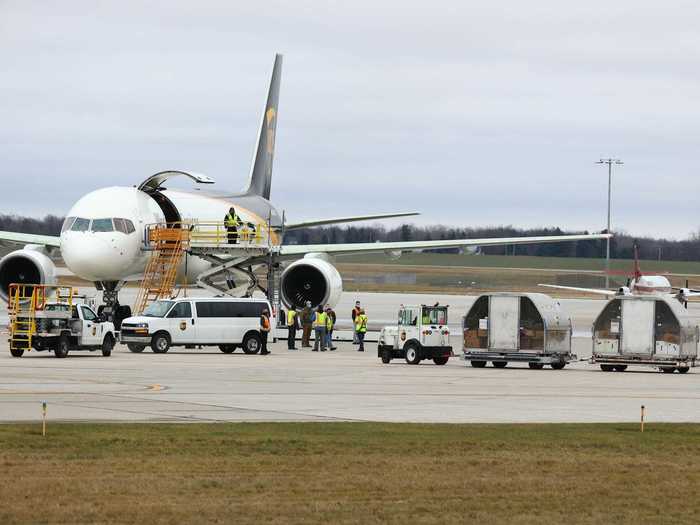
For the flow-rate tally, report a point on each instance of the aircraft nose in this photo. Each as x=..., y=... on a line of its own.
x=97, y=257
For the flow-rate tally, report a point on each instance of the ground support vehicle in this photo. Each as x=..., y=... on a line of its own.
x=55, y=318
x=645, y=330
x=421, y=333
x=527, y=328
x=226, y=322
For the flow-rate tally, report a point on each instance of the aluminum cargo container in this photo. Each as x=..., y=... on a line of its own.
x=531, y=328
x=644, y=330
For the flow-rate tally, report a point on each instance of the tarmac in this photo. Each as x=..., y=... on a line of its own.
x=345, y=385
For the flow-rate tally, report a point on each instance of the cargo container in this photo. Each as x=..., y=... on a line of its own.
x=529, y=328
x=649, y=331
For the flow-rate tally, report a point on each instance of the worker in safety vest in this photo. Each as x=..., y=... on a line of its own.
x=330, y=325
x=264, y=330
x=292, y=326
x=307, y=318
x=231, y=221
x=355, y=313
x=361, y=329
x=320, y=330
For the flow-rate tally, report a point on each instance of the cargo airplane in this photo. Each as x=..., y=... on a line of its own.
x=104, y=234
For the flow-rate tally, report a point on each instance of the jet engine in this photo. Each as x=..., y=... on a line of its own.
x=310, y=279
x=29, y=265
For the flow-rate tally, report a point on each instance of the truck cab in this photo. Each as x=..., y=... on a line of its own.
x=420, y=333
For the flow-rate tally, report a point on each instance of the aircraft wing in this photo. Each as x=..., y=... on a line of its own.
x=342, y=220
x=29, y=238
x=598, y=291
x=367, y=247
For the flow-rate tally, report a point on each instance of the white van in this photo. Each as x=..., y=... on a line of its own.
x=213, y=321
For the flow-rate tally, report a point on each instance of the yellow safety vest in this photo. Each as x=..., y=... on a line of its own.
x=291, y=317
x=361, y=323
x=231, y=220
x=320, y=321
x=329, y=323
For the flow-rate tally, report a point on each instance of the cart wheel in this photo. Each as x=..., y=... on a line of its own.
x=386, y=357
x=536, y=366
x=107, y=346
x=478, y=364
x=412, y=353
x=16, y=352
x=133, y=347
x=62, y=348
x=440, y=360
x=620, y=368
x=683, y=369
x=668, y=369
x=607, y=368
x=499, y=364
x=227, y=349
x=558, y=365
x=160, y=343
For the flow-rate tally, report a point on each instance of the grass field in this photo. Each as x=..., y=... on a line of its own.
x=350, y=473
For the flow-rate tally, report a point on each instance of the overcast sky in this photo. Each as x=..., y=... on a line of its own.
x=474, y=113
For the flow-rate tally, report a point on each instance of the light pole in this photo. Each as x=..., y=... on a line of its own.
x=617, y=162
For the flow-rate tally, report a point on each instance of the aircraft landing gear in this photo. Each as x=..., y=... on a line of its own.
x=110, y=308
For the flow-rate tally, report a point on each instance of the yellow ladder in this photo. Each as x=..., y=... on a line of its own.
x=158, y=282
x=24, y=301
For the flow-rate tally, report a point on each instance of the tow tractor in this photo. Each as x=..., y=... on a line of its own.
x=55, y=318
x=421, y=333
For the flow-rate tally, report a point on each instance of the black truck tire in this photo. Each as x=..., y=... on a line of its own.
x=412, y=353
x=252, y=344
x=441, y=359
x=620, y=368
x=386, y=356
x=607, y=368
x=668, y=369
x=107, y=346
x=478, y=364
x=536, y=366
x=558, y=365
x=16, y=352
x=499, y=364
x=135, y=347
x=227, y=349
x=62, y=347
x=160, y=343
x=683, y=369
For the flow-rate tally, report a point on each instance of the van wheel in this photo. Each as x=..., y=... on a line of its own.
x=386, y=357
x=107, y=346
x=607, y=368
x=478, y=364
x=558, y=365
x=668, y=369
x=536, y=366
x=620, y=368
x=136, y=348
x=412, y=353
x=683, y=369
x=160, y=343
x=227, y=349
x=440, y=360
x=499, y=364
x=252, y=344
x=62, y=348
x=16, y=352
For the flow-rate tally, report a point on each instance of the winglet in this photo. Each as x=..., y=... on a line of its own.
x=260, y=180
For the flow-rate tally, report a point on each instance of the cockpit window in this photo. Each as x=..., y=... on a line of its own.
x=80, y=225
x=67, y=224
x=102, y=225
x=124, y=226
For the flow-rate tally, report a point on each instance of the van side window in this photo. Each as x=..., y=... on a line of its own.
x=229, y=309
x=181, y=310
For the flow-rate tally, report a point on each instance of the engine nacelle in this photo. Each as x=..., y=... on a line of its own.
x=25, y=266
x=310, y=279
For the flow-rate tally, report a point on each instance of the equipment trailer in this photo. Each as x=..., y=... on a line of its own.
x=55, y=318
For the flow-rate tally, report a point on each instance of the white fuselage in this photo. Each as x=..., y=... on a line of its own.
x=651, y=285
x=119, y=255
